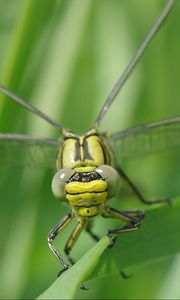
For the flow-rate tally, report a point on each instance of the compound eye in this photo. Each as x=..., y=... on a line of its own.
x=111, y=176
x=59, y=181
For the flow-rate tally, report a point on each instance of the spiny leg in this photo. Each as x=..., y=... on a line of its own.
x=73, y=238
x=137, y=214
x=52, y=235
x=138, y=193
x=132, y=218
x=71, y=241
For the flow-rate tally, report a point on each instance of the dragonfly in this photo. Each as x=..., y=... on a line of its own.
x=88, y=167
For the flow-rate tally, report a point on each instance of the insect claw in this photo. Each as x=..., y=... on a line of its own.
x=82, y=287
x=125, y=276
x=66, y=267
x=112, y=240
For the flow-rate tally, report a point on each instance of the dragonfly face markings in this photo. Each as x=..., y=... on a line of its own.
x=88, y=150
x=86, y=177
x=88, y=172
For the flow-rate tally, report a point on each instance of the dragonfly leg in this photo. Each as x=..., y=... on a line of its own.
x=92, y=234
x=138, y=193
x=52, y=235
x=71, y=241
x=137, y=214
x=73, y=238
x=132, y=219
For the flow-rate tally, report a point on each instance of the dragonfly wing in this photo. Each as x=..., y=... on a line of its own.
x=146, y=139
x=33, y=152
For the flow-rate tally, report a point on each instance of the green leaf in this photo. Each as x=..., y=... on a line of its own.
x=76, y=274
x=157, y=238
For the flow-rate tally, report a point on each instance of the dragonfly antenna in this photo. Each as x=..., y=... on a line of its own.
x=30, y=107
x=122, y=79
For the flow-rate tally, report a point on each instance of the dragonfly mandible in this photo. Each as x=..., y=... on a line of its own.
x=88, y=166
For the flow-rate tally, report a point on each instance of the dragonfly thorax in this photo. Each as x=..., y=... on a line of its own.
x=90, y=150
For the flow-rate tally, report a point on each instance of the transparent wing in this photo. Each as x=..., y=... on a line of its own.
x=137, y=55
x=146, y=139
x=34, y=152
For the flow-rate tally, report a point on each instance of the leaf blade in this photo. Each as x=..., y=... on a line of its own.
x=130, y=250
x=60, y=288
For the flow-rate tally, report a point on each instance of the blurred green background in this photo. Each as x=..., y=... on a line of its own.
x=64, y=57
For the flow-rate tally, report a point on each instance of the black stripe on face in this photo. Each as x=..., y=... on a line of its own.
x=85, y=176
x=87, y=155
x=77, y=156
x=81, y=193
x=87, y=206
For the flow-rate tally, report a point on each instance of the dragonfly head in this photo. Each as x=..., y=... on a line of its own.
x=86, y=189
